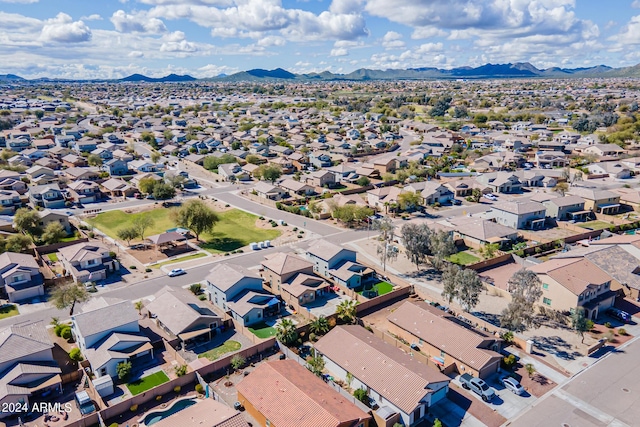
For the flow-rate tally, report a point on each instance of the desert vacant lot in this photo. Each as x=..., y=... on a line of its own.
x=235, y=229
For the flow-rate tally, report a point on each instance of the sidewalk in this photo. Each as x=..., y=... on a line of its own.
x=541, y=367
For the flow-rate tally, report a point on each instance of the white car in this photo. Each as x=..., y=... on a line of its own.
x=491, y=197
x=513, y=385
x=176, y=272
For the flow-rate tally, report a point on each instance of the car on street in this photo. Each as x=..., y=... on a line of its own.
x=176, y=272
x=512, y=385
x=622, y=316
x=491, y=197
x=456, y=202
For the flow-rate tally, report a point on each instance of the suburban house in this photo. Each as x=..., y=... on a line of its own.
x=321, y=178
x=566, y=208
x=178, y=313
x=20, y=277
x=431, y=192
x=519, y=215
x=40, y=175
x=88, y=261
x=27, y=366
x=233, y=172
x=327, y=258
x=297, y=188
x=116, y=167
x=142, y=166
x=501, y=182
x=109, y=334
x=46, y=196
x=292, y=278
x=616, y=170
x=269, y=191
x=551, y=159
x=462, y=187
x=381, y=198
x=596, y=200
x=477, y=232
x=85, y=191
x=285, y=394
x=568, y=283
x=89, y=174
x=604, y=150
x=395, y=381
x=239, y=291
x=445, y=341
x=115, y=187
x=9, y=202
x=48, y=216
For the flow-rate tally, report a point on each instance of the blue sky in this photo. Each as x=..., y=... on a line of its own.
x=114, y=38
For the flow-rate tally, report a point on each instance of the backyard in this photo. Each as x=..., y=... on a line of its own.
x=234, y=230
x=147, y=383
x=463, y=258
x=262, y=330
x=379, y=288
x=595, y=225
x=8, y=310
x=226, y=347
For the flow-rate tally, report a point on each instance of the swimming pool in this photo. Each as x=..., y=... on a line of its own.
x=155, y=416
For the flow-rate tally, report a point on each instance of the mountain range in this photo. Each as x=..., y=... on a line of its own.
x=487, y=71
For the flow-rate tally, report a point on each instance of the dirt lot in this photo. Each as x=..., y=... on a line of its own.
x=537, y=385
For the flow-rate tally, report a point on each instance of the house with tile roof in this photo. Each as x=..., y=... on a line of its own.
x=283, y=393
x=446, y=342
x=477, y=232
x=292, y=278
x=239, y=291
x=396, y=382
x=596, y=200
x=88, y=261
x=27, y=366
x=20, y=277
x=518, y=214
x=109, y=334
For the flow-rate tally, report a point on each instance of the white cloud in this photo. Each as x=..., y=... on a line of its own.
x=92, y=17
x=136, y=23
x=345, y=6
x=427, y=33
x=341, y=51
x=630, y=33
x=635, y=4
x=392, y=40
x=19, y=1
x=63, y=29
x=271, y=41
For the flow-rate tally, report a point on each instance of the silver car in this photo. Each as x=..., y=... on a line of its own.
x=513, y=385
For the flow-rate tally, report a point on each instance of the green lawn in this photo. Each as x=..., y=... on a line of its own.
x=235, y=229
x=596, y=225
x=225, y=348
x=8, y=311
x=184, y=258
x=262, y=330
x=52, y=257
x=381, y=288
x=463, y=258
x=147, y=383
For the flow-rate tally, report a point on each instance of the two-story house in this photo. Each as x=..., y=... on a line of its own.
x=338, y=264
x=46, y=196
x=322, y=178
x=239, y=291
x=40, y=175
x=431, y=192
x=88, y=261
x=292, y=278
x=500, y=182
x=48, y=216
x=116, y=167
x=109, y=334
x=566, y=208
x=85, y=191
x=20, y=277
x=9, y=202
x=519, y=215
x=596, y=200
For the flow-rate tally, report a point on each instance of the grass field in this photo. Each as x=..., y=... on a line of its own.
x=147, y=383
x=262, y=330
x=381, y=288
x=595, y=225
x=184, y=258
x=463, y=258
x=53, y=257
x=8, y=310
x=226, y=347
x=235, y=229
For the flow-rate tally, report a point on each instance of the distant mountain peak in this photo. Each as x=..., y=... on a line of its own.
x=165, y=79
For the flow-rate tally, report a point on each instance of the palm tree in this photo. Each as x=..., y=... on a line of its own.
x=138, y=306
x=286, y=331
x=346, y=311
x=320, y=326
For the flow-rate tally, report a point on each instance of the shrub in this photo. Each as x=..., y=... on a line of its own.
x=181, y=370
x=196, y=288
x=177, y=389
x=202, y=297
x=622, y=331
x=295, y=228
x=147, y=270
x=58, y=329
x=238, y=361
x=607, y=325
x=199, y=388
x=92, y=234
x=133, y=408
x=300, y=236
x=159, y=398
x=509, y=361
x=75, y=355
x=227, y=205
x=261, y=218
x=240, y=251
x=226, y=254
x=312, y=337
x=66, y=333
x=361, y=395
x=132, y=267
x=274, y=224
x=124, y=370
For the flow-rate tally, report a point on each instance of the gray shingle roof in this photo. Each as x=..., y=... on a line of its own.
x=17, y=342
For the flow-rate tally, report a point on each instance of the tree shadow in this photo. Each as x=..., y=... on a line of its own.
x=223, y=244
x=492, y=318
x=556, y=346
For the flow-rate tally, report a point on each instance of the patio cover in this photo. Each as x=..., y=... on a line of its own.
x=192, y=334
x=144, y=347
x=161, y=239
x=56, y=379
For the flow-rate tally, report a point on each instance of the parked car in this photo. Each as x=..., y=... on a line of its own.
x=176, y=272
x=622, y=316
x=456, y=202
x=513, y=385
x=491, y=197
x=478, y=386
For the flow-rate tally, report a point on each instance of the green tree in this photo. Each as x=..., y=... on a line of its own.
x=469, y=288
x=416, y=242
x=319, y=326
x=580, y=322
x=163, y=191
x=196, y=216
x=286, y=331
x=270, y=172
x=75, y=355
x=212, y=162
x=138, y=305
x=315, y=364
x=128, y=234
x=409, y=200
x=17, y=243
x=489, y=250
x=441, y=245
x=155, y=156
x=361, y=395
x=437, y=423
x=347, y=311
x=27, y=221
x=561, y=188
x=124, y=370
x=141, y=224
x=146, y=185
x=54, y=232
x=476, y=195
x=94, y=160
x=363, y=181
x=526, y=289
x=238, y=361
x=253, y=159
x=530, y=369
x=66, y=296
x=449, y=277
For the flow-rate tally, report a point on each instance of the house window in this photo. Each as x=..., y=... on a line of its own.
x=545, y=286
x=442, y=353
x=19, y=278
x=546, y=301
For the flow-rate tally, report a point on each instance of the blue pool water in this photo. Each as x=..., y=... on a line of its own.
x=156, y=416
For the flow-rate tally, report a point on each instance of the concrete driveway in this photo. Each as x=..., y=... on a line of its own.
x=326, y=304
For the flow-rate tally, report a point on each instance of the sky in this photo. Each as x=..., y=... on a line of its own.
x=84, y=39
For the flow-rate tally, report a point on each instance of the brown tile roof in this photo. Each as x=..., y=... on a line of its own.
x=288, y=395
x=205, y=413
x=575, y=274
x=283, y=263
x=435, y=329
x=384, y=368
